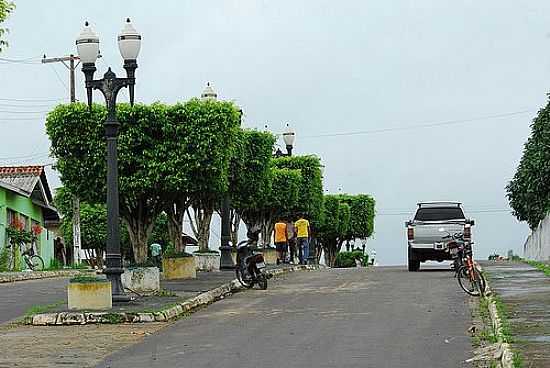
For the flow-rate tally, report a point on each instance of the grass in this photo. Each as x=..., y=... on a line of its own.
x=544, y=267
x=37, y=309
x=87, y=279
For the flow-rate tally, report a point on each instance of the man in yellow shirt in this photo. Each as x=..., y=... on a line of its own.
x=281, y=241
x=303, y=230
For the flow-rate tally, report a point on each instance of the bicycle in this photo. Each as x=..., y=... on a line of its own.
x=32, y=260
x=470, y=279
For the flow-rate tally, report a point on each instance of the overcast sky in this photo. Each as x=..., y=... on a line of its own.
x=446, y=67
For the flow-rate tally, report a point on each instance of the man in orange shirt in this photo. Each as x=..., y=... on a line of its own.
x=281, y=241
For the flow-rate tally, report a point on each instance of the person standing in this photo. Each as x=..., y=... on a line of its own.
x=281, y=241
x=291, y=236
x=156, y=250
x=303, y=231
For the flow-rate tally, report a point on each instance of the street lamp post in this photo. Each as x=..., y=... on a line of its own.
x=289, y=136
x=226, y=261
x=129, y=44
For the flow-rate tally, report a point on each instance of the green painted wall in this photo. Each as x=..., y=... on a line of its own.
x=23, y=205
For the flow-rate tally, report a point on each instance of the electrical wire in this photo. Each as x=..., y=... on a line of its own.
x=31, y=99
x=422, y=125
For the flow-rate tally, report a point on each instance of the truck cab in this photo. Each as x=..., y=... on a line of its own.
x=424, y=232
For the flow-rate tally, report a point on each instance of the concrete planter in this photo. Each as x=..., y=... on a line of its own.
x=141, y=279
x=209, y=262
x=179, y=268
x=270, y=255
x=89, y=295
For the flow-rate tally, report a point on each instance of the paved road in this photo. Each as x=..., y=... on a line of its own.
x=17, y=297
x=332, y=318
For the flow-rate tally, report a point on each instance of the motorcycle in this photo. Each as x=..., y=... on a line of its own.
x=250, y=268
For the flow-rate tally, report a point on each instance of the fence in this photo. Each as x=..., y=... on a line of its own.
x=537, y=245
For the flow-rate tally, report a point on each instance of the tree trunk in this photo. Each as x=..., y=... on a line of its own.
x=176, y=213
x=235, y=225
x=267, y=231
x=139, y=233
x=201, y=226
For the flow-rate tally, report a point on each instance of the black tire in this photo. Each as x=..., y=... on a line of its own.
x=474, y=285
x=262, y=281
x=414, y=264
x=36, y=263
x=243, y=282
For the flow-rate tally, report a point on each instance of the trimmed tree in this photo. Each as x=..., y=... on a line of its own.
x=310, y=198
x=198, y=162
x=334, y=228
x=6, y=8
x=281, y=200
x=78, y=143
x=251, y=178
x=529, y=191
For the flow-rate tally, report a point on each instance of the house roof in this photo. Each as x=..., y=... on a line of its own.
x=30, y=182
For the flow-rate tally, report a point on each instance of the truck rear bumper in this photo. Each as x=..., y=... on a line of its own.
x=428, y=254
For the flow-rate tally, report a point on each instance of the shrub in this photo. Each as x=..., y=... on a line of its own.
x=87, y=279
x=347, y=259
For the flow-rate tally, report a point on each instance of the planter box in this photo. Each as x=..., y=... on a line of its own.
x=270, y=255
x=179, y=268
x=141, y=279
x=89, y=295
x=209, y=262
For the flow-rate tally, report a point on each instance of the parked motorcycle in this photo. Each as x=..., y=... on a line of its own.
x=250, y=268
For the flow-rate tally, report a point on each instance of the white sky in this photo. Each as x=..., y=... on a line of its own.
x=325, y=67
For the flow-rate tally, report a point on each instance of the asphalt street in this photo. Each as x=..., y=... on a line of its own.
x=17, y=297
x=385, y=317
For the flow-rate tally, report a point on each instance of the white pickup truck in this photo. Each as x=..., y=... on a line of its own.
x=425, y=235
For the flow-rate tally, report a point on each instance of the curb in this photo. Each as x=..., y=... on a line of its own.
x=167, y=314
x=6, y=277
x=506, y=355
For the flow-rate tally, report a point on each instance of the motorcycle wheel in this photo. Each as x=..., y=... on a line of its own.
x=247, y=284
x=262, y=281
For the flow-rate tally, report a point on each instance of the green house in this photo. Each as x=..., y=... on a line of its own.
x=25, y=197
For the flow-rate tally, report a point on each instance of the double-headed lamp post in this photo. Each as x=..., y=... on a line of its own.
x=129, y=44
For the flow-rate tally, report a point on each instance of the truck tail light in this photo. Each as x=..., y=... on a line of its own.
x=410, y=233
x=468, y=232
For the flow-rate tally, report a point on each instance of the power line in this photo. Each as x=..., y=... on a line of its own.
x=31, y=99
x=422, y=125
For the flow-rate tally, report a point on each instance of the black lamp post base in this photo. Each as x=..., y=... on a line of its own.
x=117, y=290
x=226, y=261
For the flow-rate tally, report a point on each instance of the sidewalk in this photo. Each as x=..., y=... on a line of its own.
x=525, y=292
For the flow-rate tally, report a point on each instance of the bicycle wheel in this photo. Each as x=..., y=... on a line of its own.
x=36, y=263
x=469, y=281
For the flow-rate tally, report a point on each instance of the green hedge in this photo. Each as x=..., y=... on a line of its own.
x=347, y=259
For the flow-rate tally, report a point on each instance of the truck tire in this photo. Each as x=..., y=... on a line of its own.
x=414, y=264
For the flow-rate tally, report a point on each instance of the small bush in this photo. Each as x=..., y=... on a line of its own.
x=170, y=252
x=55, y=265
x=87, y=279
x=347, y=259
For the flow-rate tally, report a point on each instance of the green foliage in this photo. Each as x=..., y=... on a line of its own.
x=199, y=158
x=529, y=191
x=347, y=259
x=171, y=252
x=160, y=231
x=251, y=173
x=310, y=195
x=544, y=267
x=362, y=215
x=55, y=265
x=6, y=8
x=284, y=193
x=4, y=259
x=87, y=279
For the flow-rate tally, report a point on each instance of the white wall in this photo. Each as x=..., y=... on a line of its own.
x=537, y=245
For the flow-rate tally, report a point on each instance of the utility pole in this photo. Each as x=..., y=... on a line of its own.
x=76, y=202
